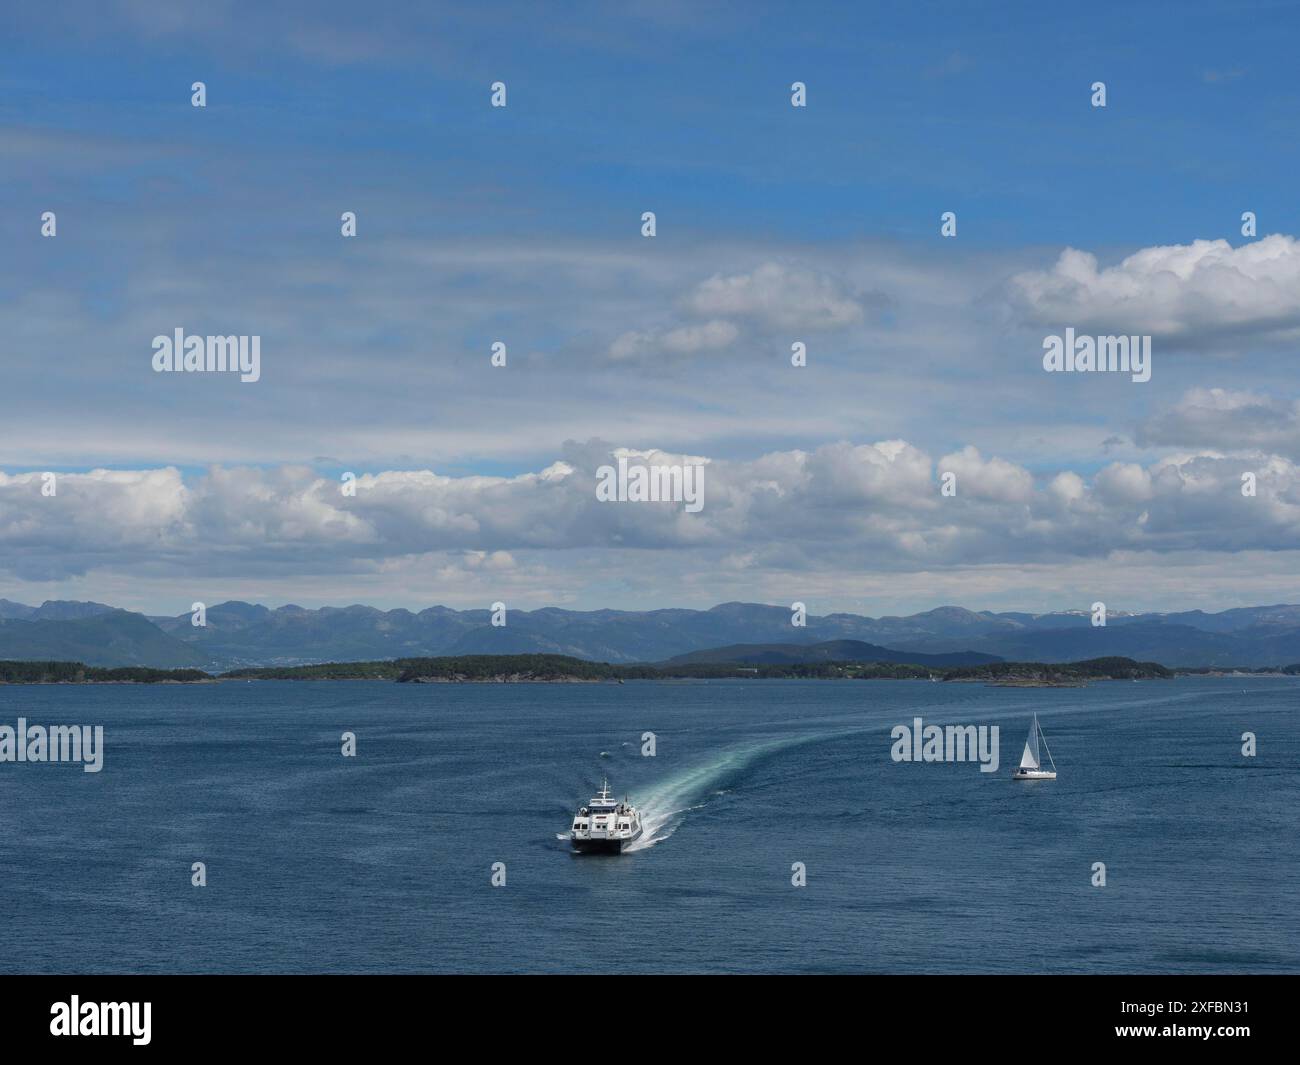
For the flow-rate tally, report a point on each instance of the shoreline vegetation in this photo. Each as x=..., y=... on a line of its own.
x=562, y=669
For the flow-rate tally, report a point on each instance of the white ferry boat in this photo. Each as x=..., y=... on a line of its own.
x=604, y=826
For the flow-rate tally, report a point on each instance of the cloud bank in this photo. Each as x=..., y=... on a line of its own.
x=842, y=507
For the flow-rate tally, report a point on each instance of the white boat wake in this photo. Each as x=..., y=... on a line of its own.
x=664, y=805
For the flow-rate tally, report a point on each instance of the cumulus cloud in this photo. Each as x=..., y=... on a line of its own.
x=771, y=298
x=60, y=524
x=1197, y=295
x=1124, y=483
x=841, y=507
x=994, y=479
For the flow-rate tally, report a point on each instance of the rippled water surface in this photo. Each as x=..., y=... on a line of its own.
x=383, y=862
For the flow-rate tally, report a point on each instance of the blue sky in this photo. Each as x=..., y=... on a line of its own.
x=972, y=106
x=774, y=223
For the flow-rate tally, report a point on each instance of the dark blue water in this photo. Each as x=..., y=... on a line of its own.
x=382, y=863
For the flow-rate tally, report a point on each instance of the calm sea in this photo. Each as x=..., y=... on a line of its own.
x=383, y=862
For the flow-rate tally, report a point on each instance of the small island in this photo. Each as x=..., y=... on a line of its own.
x=79, y=673
x=1059, y=675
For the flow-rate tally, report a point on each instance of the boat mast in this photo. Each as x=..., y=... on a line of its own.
x=1031, y=747
x=1043, y=736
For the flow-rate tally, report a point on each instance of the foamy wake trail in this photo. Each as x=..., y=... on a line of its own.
x=664, y=805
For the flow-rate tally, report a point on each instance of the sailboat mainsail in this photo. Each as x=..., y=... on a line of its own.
x=1029, y=760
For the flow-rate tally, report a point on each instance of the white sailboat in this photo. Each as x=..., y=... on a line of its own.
x=1030, y=766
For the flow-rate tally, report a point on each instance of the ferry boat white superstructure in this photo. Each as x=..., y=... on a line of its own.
x=605, y=826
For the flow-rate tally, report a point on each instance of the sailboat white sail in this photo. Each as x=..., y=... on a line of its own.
x=1031, y=767
x=1029, y=760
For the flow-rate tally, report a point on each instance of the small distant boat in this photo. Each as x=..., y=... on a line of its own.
x=1030, y=766
x=604, y=826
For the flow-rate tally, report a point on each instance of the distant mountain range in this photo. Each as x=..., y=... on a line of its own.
x=243, y=634
x=109, y=638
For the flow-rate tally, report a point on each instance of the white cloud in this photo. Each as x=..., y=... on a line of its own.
x=684, y=340
x=1124, y=483
x=841, y=507
x=772, y=297
x=779, y=296
x=1197, y=294
x=994, y=479
x=1067, y=488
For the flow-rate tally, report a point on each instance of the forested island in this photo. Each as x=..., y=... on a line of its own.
x=1064, y=674
x=562, y=669
x=78, y=673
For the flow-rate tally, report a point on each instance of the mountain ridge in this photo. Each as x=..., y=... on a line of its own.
x=240, y=634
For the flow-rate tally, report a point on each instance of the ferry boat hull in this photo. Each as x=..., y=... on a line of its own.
x=603, y=846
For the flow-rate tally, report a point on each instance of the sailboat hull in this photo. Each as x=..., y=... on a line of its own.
x=1033, y=774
